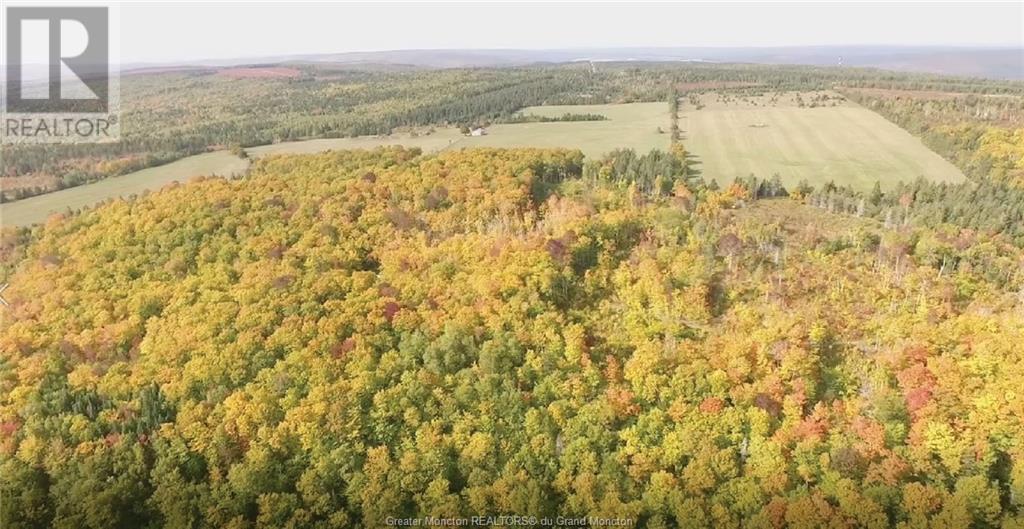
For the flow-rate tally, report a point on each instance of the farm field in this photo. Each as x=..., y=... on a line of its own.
x=629, y=126
x=36, y=209
x=833, y=141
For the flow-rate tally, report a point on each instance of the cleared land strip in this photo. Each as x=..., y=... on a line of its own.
x=629, y=126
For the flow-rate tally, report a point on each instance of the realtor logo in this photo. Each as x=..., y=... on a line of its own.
x=59, y=86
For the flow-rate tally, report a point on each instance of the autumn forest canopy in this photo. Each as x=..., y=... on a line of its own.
x=336, y=339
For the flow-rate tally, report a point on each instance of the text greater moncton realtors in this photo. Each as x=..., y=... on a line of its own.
x=57, y=127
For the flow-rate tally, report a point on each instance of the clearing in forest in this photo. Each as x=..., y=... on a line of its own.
x=629, y=126
x=817, y=136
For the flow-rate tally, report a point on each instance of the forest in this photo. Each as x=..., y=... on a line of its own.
x=350, y=336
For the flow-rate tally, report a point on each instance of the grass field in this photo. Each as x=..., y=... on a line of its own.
x=633, y=126
x=845, y=143
x=36, y=209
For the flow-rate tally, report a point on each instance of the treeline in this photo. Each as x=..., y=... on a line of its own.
x=568, y=116
x=675, y=135
x=653, y=174
x=757, y=188
x=985, y=206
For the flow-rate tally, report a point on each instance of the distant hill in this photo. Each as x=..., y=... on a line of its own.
x=997, y=63
x=982, y=62
x=993, y=63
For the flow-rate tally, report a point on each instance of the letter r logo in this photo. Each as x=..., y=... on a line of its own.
x=68, y=49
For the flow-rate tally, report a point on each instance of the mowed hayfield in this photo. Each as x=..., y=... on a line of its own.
x=34, y=210
x=845, y=143
x=629, y=126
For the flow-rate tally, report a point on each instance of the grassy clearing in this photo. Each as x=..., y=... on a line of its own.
x=36, y=209
x=844, y=143
x=631, y=126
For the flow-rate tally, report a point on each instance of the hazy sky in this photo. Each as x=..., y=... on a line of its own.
x=157, y=32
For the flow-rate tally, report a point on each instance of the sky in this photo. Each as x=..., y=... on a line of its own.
x=182, y=31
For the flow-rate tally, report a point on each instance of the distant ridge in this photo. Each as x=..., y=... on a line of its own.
x=997, y=63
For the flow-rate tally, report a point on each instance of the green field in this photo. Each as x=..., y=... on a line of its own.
x=845, y=143
x=36, y=209
x=631, y=126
